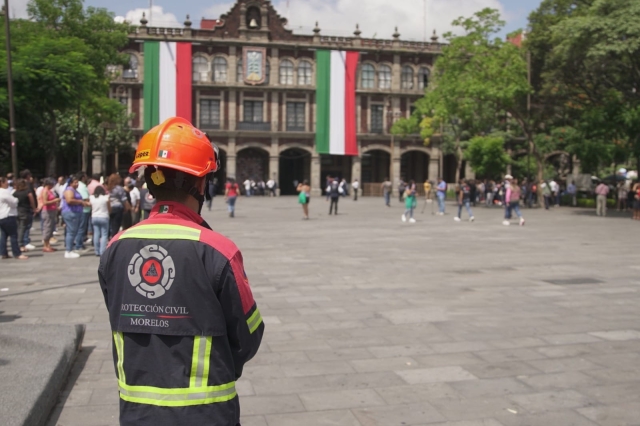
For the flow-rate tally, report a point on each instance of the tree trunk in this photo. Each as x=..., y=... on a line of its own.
x=85, y=153
x=458, y=159
x=51, y=164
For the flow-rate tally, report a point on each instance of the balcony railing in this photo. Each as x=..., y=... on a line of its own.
x=210, y=126
x=296, y=129
x=377, y=130
x=254, y=126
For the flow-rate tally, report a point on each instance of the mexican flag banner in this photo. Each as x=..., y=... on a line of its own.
x=336, y=102
x=167, y=82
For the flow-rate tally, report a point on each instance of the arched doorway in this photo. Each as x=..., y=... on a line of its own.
x=449, y=167
x=221, y=174
x=294, y=167
x=252, y=163
x=414, y=165
x=336, y=166
x=375, y=166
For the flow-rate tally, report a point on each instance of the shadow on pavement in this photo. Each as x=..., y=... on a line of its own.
x=74, y=374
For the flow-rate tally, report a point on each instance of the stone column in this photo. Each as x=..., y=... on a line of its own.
x=396, y=71
x=275, y=97
x=395, y=158
x=96, y=162
x=469, y=173
x=274, y=75
x=231, y=158
x=434, y=166
x=316, y=188
x=233, y=64
x=232, y=110
x=274, y=160
x=356, y=168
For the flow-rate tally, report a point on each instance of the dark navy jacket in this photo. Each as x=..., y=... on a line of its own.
x=183, y=317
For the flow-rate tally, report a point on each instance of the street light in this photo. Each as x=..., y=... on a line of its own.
x=12, y=119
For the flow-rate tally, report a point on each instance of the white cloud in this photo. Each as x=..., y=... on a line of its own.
x=157, y=17
x=377, y=17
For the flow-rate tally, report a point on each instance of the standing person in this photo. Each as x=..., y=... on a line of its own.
x=572, y=191
x=49, y=213
x=100, y=209
x=247, y=187
x=26, y=208
x=410, y=194
x=512, y=201
x=427, y=191
x=127, y=217
x=134, y=194
x=178, y=368
x=210, y=191
x=26, y=240
x=9, y=222
x=231, y=192
x=401, y=188
x=464, y=199
x=622, y=196
x=333, y=190
x=387, y=187
x=147, y=201
x=602, y=191
x=355, y=185
x=119, y=203
x=271, y=186
x=636, y=201
x=72, y=206
x=555, y=190
x=85, y=220
x=473, y=188
x=441, y=194
x=93, y=183
x=60, y=186
x=489, y=193
x=546, y=194
x=343, y=188
x=304, y=197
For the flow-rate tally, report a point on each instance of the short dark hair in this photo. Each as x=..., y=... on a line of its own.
x=99, y=191
x=20, y=184
x=175, y=187
x=25, y=174
x=95, y=176
x=80, y=175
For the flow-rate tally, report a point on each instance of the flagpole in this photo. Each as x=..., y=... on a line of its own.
x=150, y=12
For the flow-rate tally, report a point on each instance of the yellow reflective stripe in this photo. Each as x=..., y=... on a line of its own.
x=118, y=341
x=162, y=232
x=254, y=321
x=194, y=361
x=181, y=397
x=207, y=361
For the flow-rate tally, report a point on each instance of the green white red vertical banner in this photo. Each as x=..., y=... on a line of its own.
x=336, y=102
x=167, y=82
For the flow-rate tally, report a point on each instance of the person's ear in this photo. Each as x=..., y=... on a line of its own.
x=202, y=183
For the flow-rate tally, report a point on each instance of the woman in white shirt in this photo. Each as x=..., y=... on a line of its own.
x=100, y=209
x=9, y=222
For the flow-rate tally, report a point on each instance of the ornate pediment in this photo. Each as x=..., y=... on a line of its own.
x=251, y=19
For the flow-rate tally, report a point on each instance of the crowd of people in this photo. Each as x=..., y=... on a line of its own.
x=81, y=209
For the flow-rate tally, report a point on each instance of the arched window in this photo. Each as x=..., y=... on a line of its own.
x=423, y=78
x=367, y=81
x=131, y=70
x=220, y=70
x=304, y=73
x=286, y=72
x=200, y=69
x=407, y=77
x=384, y=77
x=239, y=71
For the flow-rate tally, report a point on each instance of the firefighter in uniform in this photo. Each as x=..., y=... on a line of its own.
x=183, y=318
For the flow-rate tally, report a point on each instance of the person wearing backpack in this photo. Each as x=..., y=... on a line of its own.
x=333, y=192
x=464, y=199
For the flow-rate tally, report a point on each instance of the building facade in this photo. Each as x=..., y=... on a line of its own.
x=265, y=127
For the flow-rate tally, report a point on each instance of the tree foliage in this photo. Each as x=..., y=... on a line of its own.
x=59, y=66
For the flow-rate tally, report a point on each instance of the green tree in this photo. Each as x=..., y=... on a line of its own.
x=487, y=156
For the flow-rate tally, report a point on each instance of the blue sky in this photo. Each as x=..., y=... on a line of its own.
x=336, y=17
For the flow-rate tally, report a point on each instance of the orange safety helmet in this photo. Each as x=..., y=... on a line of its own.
x=176, y=144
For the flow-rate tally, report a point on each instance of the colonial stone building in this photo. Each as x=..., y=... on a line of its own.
x=267, y=129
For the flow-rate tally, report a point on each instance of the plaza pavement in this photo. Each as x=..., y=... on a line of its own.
x=371, y=321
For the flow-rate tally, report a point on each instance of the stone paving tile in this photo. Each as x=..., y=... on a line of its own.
x=350, y=301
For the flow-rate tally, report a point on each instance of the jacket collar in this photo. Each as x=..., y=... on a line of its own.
x=171, y=210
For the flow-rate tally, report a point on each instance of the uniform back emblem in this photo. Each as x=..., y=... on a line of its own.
x=151, y=271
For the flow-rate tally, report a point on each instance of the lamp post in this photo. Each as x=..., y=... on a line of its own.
x=12, y=118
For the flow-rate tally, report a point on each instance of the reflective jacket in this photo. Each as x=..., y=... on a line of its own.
x=183, y=318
